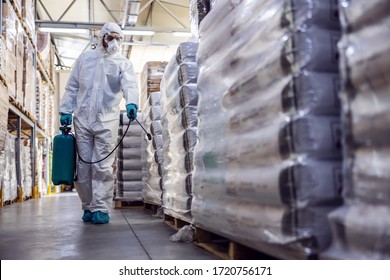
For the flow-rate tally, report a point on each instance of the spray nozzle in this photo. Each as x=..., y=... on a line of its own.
x=65, y=129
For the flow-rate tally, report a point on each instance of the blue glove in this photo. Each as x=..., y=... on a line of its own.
x=131, y=111
x=66, y=119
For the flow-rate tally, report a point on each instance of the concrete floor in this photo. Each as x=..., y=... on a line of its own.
x=51, y=228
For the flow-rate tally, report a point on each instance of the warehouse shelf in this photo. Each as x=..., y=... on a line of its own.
x=40, y=63
x=43, y=72
x=23, y=120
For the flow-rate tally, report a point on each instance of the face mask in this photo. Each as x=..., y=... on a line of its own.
x=113, y=47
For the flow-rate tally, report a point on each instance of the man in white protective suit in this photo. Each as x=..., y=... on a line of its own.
x=99, y=80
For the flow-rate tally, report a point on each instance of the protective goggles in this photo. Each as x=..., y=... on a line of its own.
x=110, y=37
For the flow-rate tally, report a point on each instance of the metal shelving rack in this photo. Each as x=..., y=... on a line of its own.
x=23, y=124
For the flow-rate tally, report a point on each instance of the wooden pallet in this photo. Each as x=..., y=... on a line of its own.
x=3, y=80
x=151, y=207
x=19, y=106
x=2, y=197
x=122, y=204
x=224, y=248
x=175, y=223
x=9, y=202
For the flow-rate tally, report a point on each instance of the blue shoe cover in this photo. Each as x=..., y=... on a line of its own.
x=100, y=218
x=87, y=217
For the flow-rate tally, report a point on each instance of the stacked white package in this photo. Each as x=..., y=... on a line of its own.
x=128, y=161
x=268, y=158
x=152, y=150
x=25, y=168
x=361, y=229
x=8, y=172
x=179, y=119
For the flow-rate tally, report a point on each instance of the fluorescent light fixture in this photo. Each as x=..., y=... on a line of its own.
x=182, y=34
x=139, y=32
x=149, y=44
x=64, y=30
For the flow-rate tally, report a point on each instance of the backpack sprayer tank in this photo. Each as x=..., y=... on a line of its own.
x=65, y=154
x=64, y=157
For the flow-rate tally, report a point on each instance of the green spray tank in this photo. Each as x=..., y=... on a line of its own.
x=65, y=153
x=64, y=157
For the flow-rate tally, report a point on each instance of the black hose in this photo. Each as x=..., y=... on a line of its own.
x=123, y=136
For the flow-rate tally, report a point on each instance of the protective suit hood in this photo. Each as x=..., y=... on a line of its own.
x=108, y=27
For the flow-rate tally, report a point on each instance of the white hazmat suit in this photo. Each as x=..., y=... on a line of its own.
x=96, y=86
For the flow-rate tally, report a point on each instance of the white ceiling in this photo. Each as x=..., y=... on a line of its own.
x=163, y=16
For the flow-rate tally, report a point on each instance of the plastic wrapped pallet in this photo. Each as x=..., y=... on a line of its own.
x=4, y=106
x=10, y=31
x=360, y=231
x=151, y=76
x=179, y=119
x=361, y=228
x=9, y=175
x=198, y=10
x=25, y=166
x=152, y=150
x=28, y=9
x=128, y=163
x=268, y=91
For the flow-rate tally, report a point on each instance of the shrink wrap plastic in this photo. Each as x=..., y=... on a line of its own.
x=361, y=228
x=268, y=158
x=179, y=130
x=152, y=151
x=128, y=161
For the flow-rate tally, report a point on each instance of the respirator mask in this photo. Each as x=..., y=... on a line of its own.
x=113, y=43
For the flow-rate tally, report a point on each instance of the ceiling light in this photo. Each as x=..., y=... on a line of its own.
x=64, y=30
x=182, y=34
x=139, y=32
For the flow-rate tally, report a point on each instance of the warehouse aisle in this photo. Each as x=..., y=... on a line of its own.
x=51, y=228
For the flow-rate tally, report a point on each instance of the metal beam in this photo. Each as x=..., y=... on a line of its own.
x=170, y=13
x=41, y=133
x=98, y=26
x=91, y=11
x=109, y=11
x=33, y=153
x=17, y=152
x=145, y=6
x=149, y=44
x=124, y=17
x=20, y=114
x=174, y=3
x=56, y=53
x=67, y=9
x=46, y=11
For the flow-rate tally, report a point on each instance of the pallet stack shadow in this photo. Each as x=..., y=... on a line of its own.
x=361, y=229
x=128, y=163
x=268, y=158
x=152, y=155
x=179, y=102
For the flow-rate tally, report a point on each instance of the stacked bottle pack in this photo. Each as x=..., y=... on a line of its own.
x=362, y=227
x=179, y=102
x=152, y=150
x=268, y=159
x=128, y=164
